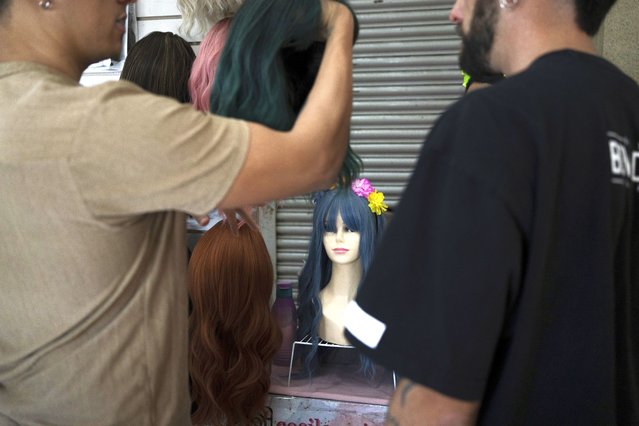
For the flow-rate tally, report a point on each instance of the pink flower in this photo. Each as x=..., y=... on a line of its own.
x=362, y=187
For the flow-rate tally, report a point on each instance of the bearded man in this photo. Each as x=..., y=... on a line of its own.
x=506, y=288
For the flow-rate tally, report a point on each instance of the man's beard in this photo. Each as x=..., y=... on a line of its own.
x=474, y=57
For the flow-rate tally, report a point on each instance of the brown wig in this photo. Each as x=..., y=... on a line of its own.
x=160, y=63
x=233, y=335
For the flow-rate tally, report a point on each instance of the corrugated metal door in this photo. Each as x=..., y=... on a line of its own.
x=405, y=75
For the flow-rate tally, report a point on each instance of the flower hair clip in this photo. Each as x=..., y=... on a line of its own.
x=363, y=188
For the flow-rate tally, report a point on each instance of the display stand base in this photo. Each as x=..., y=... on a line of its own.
x=306, y=341
x=337, y=394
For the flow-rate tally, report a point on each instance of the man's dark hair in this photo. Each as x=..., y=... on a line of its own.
x=4, y=5
x=591, y=13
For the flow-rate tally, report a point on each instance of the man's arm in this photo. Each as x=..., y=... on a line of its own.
x=414, y=404
x=308, y=157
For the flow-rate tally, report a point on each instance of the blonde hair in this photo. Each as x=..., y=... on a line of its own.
x=199, y=15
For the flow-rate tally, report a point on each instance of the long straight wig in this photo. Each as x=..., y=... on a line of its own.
x=316, y=273
x=269, y=64
x=233, y=335
x=161, y=63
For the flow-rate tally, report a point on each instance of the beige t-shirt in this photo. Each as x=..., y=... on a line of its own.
x=94, y=183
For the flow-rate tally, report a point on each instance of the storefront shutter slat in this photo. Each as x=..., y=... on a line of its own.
x=405, y=74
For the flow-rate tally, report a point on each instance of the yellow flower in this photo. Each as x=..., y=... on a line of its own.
x=376, y=202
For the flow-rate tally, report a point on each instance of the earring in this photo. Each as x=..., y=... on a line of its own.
x=507, y=4
x=45, y=4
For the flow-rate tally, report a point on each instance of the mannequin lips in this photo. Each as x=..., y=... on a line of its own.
x=340, y=250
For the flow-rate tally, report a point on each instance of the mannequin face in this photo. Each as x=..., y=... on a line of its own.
x=342, y=246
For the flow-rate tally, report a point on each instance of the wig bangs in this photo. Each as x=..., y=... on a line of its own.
x=353, y=215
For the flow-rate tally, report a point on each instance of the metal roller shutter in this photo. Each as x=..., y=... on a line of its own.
x=405, y=75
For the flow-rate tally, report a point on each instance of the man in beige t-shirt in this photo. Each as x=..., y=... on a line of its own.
x=94, y=186
x=93, y=283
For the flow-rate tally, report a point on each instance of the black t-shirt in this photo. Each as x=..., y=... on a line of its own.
x=510, y=271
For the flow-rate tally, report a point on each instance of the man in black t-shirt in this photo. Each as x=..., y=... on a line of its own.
x=506, y=288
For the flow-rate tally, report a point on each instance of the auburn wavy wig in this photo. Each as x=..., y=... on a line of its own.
x=233, y=335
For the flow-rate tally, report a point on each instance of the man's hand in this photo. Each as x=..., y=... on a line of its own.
x=201, y=220
x=245, y=213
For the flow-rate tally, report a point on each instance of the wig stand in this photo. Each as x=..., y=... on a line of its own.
x=306, y=341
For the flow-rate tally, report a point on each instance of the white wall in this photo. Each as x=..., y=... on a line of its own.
x=158, y=15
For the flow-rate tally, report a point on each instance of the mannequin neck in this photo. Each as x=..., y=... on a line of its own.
x=339, y=291
x=345, y=279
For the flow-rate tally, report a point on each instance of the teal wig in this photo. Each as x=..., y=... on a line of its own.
x=268, y=66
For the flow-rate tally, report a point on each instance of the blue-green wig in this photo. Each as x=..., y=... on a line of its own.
x=269, y=63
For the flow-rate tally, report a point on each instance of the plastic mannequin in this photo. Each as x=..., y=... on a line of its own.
x=346, y=228
x=342, y=248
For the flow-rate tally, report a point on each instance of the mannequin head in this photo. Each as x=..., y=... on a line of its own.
x=343, y=206
x=281, y=42
x=342, y=245
x=358, y=218
x=233, y=336
x=160, y=62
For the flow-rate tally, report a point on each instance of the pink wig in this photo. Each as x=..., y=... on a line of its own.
x=205, y=65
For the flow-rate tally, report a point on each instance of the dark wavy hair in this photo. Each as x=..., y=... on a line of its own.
x=161, y=63
x=233, y=335
x=269, y=64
